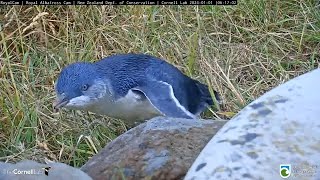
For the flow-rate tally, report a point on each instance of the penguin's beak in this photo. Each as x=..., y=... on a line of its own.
x=59, y=102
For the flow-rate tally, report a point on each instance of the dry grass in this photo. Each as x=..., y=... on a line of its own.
x=241, y=51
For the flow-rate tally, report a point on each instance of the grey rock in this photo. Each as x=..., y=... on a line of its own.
x=280, y=127
x=30, y=170
x=161, y=148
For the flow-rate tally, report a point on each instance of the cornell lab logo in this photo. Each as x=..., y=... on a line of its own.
x=46, y=170
x=285, y=170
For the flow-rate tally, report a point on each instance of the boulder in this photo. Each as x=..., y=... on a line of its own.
x=162, y=148
x=274, y=137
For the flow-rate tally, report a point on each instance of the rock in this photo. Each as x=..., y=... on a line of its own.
x=281, y=127
x=30, y=170
x=162, y=148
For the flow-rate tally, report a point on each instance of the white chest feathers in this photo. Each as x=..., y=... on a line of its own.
x=133, y=107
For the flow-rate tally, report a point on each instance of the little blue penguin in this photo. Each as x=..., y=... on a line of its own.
x=131, y=87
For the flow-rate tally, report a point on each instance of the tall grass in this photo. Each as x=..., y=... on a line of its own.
x=241, y=51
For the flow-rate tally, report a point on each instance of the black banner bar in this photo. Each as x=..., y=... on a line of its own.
x=117, y=2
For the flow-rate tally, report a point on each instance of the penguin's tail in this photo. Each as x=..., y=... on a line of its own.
x=206, y=96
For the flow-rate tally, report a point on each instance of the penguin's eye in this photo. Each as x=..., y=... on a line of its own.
x=84, y=87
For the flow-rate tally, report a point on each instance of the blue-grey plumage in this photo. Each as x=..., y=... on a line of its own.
x=132, y=87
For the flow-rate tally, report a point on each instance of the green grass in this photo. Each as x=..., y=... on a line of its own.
x=241, y=51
